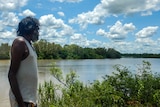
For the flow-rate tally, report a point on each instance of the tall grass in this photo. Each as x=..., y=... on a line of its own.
x=121, y=89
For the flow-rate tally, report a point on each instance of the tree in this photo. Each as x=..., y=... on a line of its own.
x=47, y=50
x=102, y=52
x=4, y=51
x=112, y=53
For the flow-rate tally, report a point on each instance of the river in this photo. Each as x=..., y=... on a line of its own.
x=88, y=70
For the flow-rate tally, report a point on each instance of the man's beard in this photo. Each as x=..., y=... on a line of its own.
x=35, y=38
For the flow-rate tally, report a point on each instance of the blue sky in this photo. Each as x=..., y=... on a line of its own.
x=129, y=26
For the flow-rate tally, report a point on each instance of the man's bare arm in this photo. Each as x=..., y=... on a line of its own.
x=17, y=52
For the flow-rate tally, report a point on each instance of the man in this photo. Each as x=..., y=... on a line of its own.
x=23, y=75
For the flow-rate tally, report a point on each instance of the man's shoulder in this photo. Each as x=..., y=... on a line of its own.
x=19, y=39
x=18, y=42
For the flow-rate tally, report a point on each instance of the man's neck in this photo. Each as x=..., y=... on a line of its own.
x=27, y=37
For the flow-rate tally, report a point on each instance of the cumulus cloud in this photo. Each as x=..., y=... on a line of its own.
x=107, y=8
x=144, y=37
x=94, y=43
x=118, y=31
x=50, y=21
x=27, y=12
x=101, y=32
x=7, y=36
x=90, y=17
x=122, y=46
x=61, y=14
x=82, y=41
x=8, y=25
x=9, y=19
x=147, y=32
x=145, y=41
x=78, y=39
x=8, y=5
x=1, y=26
x=54, y=29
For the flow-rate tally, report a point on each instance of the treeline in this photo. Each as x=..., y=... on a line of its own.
x=143, y=55
x=47, y=50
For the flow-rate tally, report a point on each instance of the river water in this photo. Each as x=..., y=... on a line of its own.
x=88, y=70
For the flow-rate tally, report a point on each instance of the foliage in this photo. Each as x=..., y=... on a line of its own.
x=46, y=50
x=111, y=53
x=142, y=55
x=121, y=89
x=4, y=51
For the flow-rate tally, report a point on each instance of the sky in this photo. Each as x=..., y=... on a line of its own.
x=128, y=26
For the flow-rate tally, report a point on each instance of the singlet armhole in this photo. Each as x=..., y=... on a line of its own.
x=26, y=52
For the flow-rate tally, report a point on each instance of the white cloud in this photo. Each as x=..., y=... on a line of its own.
x=1, y=26
x=8, y=5
x=123, y=46
x=61, y=14
x=55, y=29
x=8, y=25
x=115, y=7
x=9, y=19
x=7, y=36
x=145, y=41
x=147, y=32
x=147, y=45
x=101, y=32
x=94, y=43
x=78, y=39
x=27, y=12
x=82, y=41
x=118, y=31
x=51, y=21
x=91, y=17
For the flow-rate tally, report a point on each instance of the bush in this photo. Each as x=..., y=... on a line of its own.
x=121, y=89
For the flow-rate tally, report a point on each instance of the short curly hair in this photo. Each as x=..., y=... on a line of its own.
x=27, y=25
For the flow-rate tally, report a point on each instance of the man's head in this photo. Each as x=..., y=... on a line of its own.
x=29, y=26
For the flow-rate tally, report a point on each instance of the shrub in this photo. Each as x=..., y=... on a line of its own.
x=121, y=89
